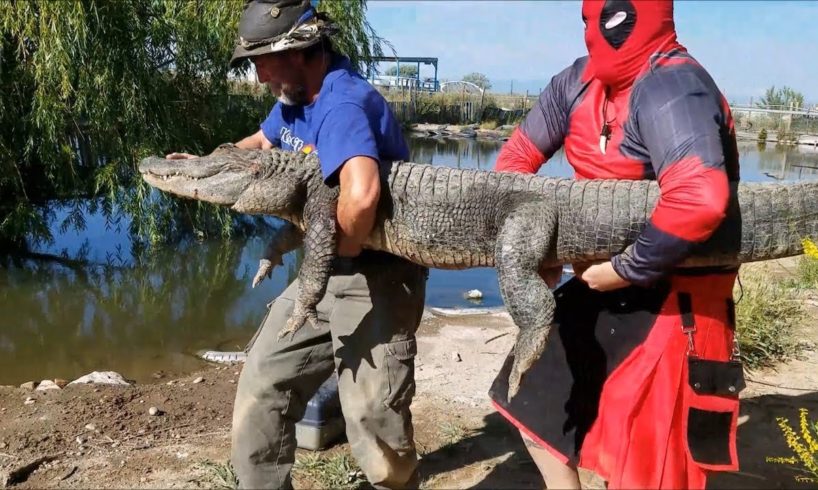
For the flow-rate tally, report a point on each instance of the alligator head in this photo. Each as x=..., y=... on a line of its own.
x=248, y=181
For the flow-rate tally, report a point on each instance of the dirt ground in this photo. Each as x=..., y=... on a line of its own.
x=98, y=436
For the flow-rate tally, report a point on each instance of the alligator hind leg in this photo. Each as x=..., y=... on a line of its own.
x=524, y=241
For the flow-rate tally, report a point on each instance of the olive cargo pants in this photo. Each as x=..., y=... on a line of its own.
x=367, y=324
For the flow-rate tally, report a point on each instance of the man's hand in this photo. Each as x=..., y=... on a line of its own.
x=255, y=141
x=357, y=203
x=551, y=276
x=180, y=156
x=348, y=246
x=600, y=277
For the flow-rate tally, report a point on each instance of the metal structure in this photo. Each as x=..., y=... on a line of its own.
x=809, y=112
x=778, y=122
x=431, y=85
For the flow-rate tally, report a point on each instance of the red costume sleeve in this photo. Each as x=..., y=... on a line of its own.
x=519, y=155
x=681, y=125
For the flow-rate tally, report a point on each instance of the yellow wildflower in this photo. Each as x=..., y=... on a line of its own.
x=781, y=460
x=805, y=431
x=805, y=454
x=810, y=248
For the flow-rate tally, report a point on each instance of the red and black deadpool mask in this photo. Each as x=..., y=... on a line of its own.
x=622, y=34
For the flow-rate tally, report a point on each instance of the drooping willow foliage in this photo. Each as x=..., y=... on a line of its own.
x=88, y=87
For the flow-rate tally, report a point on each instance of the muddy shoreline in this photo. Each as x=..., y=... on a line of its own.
x=454, y=131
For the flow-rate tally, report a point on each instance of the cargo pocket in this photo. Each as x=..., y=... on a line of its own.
x=712, y=412
x=400, y=367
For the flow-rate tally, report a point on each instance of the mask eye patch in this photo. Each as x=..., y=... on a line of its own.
x=616, y=19
x=616, y=22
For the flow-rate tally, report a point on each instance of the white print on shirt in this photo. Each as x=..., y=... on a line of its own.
x=288, y=138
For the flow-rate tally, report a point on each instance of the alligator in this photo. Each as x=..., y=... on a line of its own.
x=450, y=218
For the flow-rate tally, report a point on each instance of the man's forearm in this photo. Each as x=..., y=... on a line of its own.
x=356, y=219
x=357, y=203
x=256, y=141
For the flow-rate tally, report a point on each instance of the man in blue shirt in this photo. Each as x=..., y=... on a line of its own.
x=374, y=301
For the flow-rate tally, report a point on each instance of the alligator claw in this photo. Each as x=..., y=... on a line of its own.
x=528, y=348
x=265, y=268
x=297, y=320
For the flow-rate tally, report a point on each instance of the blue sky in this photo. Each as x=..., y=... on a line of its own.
x=746, y=45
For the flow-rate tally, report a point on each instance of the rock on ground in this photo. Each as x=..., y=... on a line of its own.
x=104, y=377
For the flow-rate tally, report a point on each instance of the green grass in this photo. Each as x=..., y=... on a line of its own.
x=452, y=432
x=770, y=312
x=336, y=471
x=806, y=274
x=767, y=316
x=219, y=475
x=331, y=471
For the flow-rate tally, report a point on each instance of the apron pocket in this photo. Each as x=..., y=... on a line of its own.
x=709, y=437
x=712, y=412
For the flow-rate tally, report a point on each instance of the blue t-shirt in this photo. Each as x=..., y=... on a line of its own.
x=349, y=118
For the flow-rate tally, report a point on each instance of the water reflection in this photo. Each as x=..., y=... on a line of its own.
x=767, y=163
x=458, y=153
x=99, y=306
x=479, y=154
x=64, y=318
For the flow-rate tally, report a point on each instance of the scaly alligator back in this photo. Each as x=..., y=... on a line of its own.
x=448, y=218
x=764, y=221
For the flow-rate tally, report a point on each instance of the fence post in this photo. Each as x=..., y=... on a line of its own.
x=412, y=105
x=463, y=103
x=480, y=115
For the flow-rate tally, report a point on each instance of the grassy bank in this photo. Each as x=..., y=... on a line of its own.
x=769, y=312
x=454, y=108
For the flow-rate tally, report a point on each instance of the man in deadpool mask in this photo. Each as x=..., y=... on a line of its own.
x=640, y=377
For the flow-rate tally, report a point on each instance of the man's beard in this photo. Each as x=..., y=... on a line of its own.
x=293, y=95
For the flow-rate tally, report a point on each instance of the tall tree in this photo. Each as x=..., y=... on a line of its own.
x=88, y=87
x=478, y=79
x=410, y=71
x=357, y=38
x=783, y=98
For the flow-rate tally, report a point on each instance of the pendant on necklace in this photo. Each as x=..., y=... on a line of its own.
x=603, y=138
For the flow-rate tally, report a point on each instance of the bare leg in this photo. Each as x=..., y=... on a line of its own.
x=555, y=473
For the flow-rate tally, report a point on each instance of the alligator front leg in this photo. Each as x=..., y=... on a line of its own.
x=288, y=238
x=319, y=251
x=524, y=241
